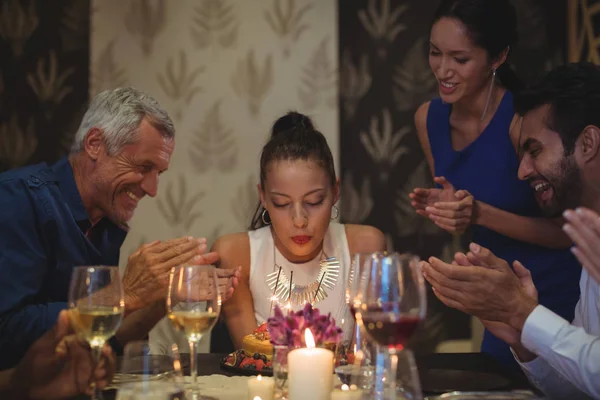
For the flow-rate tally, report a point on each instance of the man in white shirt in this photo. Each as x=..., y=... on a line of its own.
x=560, y=147
x=584, y=229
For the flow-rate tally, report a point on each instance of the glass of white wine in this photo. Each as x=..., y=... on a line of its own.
x=96, y=306
x=194, y=304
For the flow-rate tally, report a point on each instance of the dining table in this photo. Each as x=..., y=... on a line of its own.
x=438, y=372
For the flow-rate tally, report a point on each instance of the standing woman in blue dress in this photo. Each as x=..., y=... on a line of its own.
x=470, y=137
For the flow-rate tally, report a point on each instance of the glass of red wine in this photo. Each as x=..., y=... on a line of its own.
x=393, y=301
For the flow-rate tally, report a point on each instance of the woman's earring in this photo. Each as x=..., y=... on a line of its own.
x=264, y=216
x=337, y=212
x=489, y=96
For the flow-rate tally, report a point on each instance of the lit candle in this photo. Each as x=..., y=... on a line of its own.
x=260, y=387
x=346, y=393
x=310, y=371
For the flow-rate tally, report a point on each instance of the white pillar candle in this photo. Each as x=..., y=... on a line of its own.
x=346, y=394
x=261, y=387
x=310, y=371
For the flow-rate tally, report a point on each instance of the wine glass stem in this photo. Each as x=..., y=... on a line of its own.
x=380, y=359
x=357, y=337
x=193, y=368
x=96, y=354
x=393, y=371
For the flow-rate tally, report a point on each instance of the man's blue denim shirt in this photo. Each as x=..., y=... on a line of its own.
x=44, y=232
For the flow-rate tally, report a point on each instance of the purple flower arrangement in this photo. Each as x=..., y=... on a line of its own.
x=289, y=330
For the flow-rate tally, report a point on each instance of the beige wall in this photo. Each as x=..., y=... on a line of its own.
x=225, y=70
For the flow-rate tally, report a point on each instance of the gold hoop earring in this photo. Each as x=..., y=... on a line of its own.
x=263, y=217
x=337, y=212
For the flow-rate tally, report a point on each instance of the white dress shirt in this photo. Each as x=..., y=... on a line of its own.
x=568, y=362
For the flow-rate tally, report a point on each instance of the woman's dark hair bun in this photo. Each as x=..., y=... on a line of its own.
x=291, y=121
x=293, y=137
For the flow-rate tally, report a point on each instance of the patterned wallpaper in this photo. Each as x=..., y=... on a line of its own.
x=225, y=70
x=44, y=61
x=584, y=30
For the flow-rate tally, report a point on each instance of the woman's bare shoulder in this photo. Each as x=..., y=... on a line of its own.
x=364, y=239
x=233, y=249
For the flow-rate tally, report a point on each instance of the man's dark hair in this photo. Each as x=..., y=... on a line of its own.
x=573, y=93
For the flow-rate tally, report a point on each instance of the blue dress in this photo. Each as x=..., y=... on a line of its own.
x=487, y=168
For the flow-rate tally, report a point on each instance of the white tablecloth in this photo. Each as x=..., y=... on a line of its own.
x=223, y=387
x=228, y=388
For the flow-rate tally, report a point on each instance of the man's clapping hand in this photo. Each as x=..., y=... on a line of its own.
x=146, y=277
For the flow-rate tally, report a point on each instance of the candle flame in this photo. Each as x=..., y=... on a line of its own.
x=309, y=339
x=259, y=378
x=345, y=388
x=256, y=398
x=358, y=357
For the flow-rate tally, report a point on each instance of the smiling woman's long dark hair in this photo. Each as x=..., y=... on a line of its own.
x=293, y=137
x=491, y=25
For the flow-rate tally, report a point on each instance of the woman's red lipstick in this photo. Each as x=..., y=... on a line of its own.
x=300, y=239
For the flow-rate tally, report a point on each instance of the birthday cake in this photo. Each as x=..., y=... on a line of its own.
x=255, y=354
x=259, y=342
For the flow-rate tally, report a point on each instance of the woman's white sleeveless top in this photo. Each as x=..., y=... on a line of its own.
x=163, y=335
x=262, y=250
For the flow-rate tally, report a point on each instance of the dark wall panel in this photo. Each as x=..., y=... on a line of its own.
x=44, y=67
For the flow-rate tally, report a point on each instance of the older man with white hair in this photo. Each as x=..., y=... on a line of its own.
x=76, y=212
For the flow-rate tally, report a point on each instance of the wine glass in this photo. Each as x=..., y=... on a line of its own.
x=369, y=362
x=280, y=370
x=143, y=375
x=96, y=306
x=353, y=298
x=139, y=364
x=193, y=304
x=393, y=301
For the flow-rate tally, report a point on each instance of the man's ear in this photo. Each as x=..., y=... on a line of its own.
x=94, y=144
x=590, y=142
